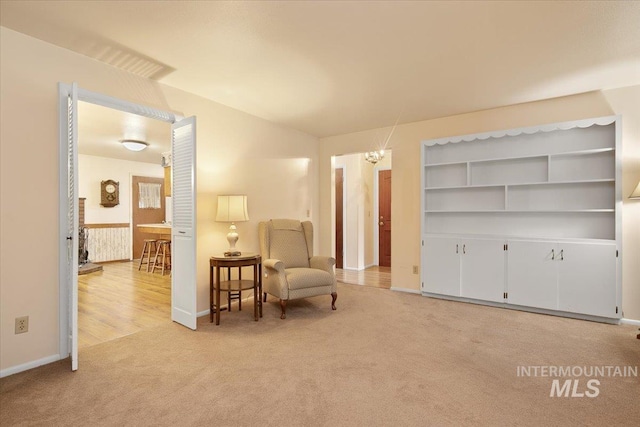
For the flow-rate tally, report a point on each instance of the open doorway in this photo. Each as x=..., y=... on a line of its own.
x=119, y=299
x=182, y=229
x=362, y=223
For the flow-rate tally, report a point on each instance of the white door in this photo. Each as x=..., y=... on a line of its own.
x=69, y=216
x=442, y=266
x=183, y=226
x=532, y=274
x=482, y=269
x=587, y=279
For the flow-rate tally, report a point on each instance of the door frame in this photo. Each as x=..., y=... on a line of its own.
x=376, y=213
x=64, y=91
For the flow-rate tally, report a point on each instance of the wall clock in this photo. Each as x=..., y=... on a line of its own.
x=109, y=193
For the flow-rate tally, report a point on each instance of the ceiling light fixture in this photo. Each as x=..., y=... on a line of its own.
x=134, y=145
x=374, y=156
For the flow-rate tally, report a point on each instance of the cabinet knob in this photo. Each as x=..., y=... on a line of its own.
x=381, y=223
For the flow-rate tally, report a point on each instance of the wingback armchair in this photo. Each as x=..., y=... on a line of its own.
x=291, y=270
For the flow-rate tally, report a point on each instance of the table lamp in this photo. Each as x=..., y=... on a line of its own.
x=232, y=208
x=636, y=192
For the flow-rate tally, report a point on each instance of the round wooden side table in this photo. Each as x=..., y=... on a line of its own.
x=216, y=285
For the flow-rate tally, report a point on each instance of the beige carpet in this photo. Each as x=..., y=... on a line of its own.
x=382, y=359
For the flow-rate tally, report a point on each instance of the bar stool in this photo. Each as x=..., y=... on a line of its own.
x=150, y=249
x=164, y=253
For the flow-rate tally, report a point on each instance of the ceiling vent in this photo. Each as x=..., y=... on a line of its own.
x=124, y=58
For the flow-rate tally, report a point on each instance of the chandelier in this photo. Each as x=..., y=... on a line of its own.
x=374, y=156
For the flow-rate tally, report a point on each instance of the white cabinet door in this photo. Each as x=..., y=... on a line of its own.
x=482, y=269
x=587, y=279
x=442, y=266
x=532, y=274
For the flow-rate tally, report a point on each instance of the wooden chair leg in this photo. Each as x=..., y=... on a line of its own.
x=265, y=297
x=334, y=297
x=283, y=306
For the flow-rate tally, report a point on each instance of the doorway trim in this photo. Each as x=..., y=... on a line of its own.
x=64, y=90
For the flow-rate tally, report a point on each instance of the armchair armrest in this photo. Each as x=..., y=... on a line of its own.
x=273, y=264
x=275, y=278
x=320, y=262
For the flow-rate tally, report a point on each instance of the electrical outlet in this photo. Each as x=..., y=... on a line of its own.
x=22, y=324
x=415, y=269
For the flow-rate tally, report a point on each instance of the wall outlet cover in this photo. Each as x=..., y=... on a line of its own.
x=22, y=324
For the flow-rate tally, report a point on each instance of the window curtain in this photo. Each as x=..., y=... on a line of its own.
x=149, y=196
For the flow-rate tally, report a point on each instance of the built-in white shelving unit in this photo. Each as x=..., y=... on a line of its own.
x=557, y=183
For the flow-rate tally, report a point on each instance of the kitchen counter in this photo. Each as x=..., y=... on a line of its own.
x=164, y=229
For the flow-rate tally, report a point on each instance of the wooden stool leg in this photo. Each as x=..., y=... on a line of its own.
x=164, y=257
x=144, y=248
x=155, y=258
x=155, y=249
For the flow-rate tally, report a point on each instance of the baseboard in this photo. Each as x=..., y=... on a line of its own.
x=202, y=313
x=630, y=322
x=30, y=365
x=609, y=320
x=407, y=290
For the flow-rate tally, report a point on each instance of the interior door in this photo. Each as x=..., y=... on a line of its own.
x=69, y=211
x=147, y=215
x=339, y=217
x=384, y=220
x=183, y=230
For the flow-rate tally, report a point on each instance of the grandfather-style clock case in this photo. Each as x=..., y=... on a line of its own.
x=109, y=193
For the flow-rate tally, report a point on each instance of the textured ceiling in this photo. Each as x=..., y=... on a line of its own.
x=333, y=67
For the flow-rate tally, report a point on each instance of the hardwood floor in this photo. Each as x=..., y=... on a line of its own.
x=120, y=300
x=378, y=277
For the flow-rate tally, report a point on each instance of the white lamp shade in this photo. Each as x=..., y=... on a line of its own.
x=636, y=192
x=232, y=208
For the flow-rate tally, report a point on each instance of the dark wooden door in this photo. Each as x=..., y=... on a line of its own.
x=339, y=215
x=384, y=220
x=144, y=216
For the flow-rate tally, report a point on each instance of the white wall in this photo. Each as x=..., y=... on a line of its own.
x=276, y=167
x=406, y=141
x=626, y=102
x=92, y=170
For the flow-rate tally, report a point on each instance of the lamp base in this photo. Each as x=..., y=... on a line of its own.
x=232, y=253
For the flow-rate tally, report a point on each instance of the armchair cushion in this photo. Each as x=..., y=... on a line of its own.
x=302, y=278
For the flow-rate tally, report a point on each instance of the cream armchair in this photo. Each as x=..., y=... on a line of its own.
x=291, y=270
